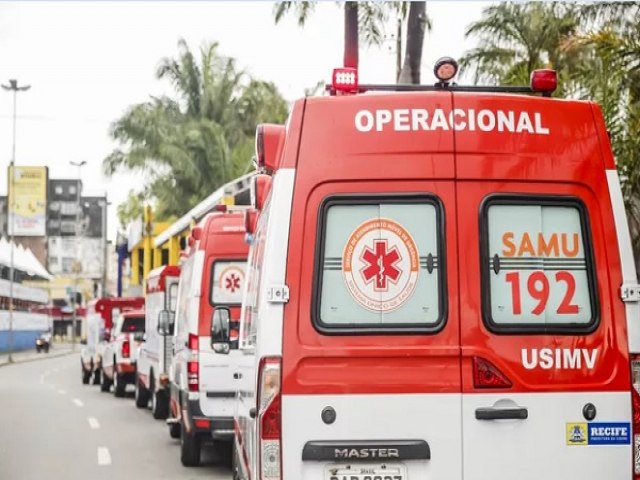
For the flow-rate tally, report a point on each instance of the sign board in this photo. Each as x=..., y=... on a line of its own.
x=27, y=201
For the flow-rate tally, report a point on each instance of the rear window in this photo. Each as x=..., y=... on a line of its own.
x=132, y=324
x=380, y=265
x=227, y=282
x=538, y=273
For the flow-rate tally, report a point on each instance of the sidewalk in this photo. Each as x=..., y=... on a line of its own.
x=57, y=350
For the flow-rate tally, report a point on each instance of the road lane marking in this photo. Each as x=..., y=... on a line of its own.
x=104, y=457
x=93, y=423
x=62, y=392
x=78, y=402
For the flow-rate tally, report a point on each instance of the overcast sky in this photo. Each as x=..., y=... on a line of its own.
x=88, y=61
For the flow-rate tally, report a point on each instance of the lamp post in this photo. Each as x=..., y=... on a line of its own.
x=77, y=266
x=12, y=87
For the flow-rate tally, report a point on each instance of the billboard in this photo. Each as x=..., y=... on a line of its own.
x=63, y=252
x=27, y=201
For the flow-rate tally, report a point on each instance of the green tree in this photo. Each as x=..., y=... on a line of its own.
x=595, y=49
x=131, y=208
x=371, y=18
x=190, y=145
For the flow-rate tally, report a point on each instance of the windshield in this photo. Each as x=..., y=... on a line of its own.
x=132, y=325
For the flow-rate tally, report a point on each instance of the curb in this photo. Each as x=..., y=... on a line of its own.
x=35, y=359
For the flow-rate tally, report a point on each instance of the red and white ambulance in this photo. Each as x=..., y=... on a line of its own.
x=120, y=355
x=202, y=375
x=441, y=285
x=155, y=355
x=100, y=317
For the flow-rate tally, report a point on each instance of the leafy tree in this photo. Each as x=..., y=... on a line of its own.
x=371, y=18
x=131, y=208
x=190, y=145
x=596, y=50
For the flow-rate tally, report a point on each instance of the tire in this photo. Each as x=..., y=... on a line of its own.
x=105, y=383
x=96, y=376
x=189, y=448
x=142, y=394
x=174, y=430
x=118, y=386
x=160, y=404
x=86, y=376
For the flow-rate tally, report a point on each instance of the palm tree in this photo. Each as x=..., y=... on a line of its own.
x=190, y=145
x=365, y=20
x=516, y=38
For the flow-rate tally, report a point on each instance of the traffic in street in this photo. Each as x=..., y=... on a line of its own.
x=53, y=427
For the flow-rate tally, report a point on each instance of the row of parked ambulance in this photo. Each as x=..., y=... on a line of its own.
x=432, y=283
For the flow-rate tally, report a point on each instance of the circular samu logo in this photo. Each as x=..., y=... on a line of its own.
x=231, y=279
x=380, y=264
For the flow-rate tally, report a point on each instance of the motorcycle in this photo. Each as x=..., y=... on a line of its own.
x=42, y=343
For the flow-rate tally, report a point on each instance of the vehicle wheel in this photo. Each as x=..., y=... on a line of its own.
x=105, y=384
x=118, y=386
x=189, y=448
x=160, y=404
x=85, y=375
x=142, y=394
x=174, y=430
x=96, y=376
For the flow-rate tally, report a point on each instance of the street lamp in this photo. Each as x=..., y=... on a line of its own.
x=76, y=265
x=12, y=87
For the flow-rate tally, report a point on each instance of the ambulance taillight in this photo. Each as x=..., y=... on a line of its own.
x=193, y=368
x=126, y=349
x=270, y=418
x=635, y=405
x=345, y=80
x=250, y=220
x=544, y=80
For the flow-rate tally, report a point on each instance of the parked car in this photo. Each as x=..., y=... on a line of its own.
x=119, y=357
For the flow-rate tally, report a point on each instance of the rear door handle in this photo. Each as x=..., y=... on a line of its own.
x=491, y=413
x=237, y=375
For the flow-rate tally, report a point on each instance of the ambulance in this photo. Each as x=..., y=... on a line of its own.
x=100, y=317
x=202, y=374
x=152, y=382
x=441, y=286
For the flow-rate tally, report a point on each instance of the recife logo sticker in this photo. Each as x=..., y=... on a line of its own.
x=599, y=433
x=380, y=264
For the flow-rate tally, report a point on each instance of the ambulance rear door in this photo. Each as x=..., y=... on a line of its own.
x=545, y=370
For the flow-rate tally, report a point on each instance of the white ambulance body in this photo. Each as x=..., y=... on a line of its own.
x=152, y=383
x=441, y=286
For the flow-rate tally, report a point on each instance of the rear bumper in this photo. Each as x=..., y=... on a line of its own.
x=218, y=428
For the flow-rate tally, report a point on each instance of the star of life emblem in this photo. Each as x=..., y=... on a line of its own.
x=380, y=265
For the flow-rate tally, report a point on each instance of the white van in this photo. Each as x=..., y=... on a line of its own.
x=441, y=286
x=152, y=382
x=202, y=381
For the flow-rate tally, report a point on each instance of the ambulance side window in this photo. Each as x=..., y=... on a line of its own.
x=380, y=265
x=537, y=266
x=183, y=297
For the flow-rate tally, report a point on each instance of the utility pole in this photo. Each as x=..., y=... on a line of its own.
x=12, y=87
x=77, y=265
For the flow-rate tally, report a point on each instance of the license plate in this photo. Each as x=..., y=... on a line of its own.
x=393, y=471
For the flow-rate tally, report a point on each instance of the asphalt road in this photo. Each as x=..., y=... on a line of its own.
x=53, y=427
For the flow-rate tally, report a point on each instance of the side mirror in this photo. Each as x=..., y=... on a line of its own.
x=220, y=330
x=165, y=323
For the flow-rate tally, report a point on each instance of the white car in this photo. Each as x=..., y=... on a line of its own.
x=119, y=356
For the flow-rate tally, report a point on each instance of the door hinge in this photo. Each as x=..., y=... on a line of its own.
x=277, y=294
x=630, y=292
